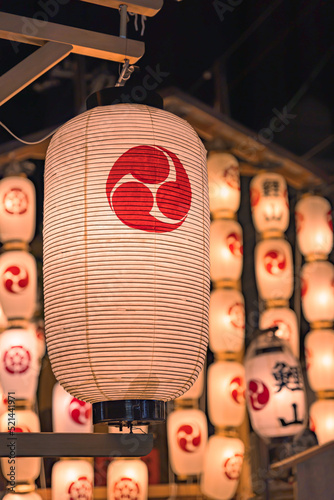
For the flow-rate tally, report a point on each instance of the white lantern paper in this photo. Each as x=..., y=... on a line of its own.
x=187, y=432
x=274, y=269
x=19, y=363
x=274, y=388
x=127, y=479
x=224, y=184
x=223, y=461
x=319, y=356
x=269, y=202
x=196, y=391
x=3, y=402
x=317, y=291
x=226, y=250
x=18, y=284
x=226, y=320
x=126, y=201
x=38, y=329
x=226, y=393
x=26, y=469
x=314, y=226
x=3, y=320
x=17, y=209
x=72, y=480
x=68, y=413
x=322, y=420
x=286, y=321
x=27, y=496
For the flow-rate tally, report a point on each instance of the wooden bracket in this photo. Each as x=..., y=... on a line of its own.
x=144, y=7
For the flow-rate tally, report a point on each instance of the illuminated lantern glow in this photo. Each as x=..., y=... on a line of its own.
x=222, y=467
x=226, y=250
x=134, y=226
x=187, y=433
x=274, y=269
x=3, y=320
x=269, y=202
x=27, y=470
x=196, y=391
x=73, y=480
x=224, y=184
x=322, y=420
x=314, y=227
x=18, y=284
x=19, y=363
x=286, y=321
x=319, y=356
x=275, y=393
x=127, y=479
x=38, y=330
x=226, y=321
x=226, y=394
x=27, y=496
x=317, y=291
x=17, y=209
x=70, y=414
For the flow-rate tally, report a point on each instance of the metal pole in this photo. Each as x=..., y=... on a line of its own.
x=123, y=21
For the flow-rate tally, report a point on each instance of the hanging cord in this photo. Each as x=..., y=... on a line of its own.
x=143, y=20
x=28, y=142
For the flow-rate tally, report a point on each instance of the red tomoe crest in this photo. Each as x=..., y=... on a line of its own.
x=189, y=437
x=258, y=394
x=237, y=315
x=237, y=389
x=274, y=261
x=79, y=411
x=233, y=465
x=15, y=202
x=16, y=360
x=15, y=279
x=81, y=489
x=234, y=243
x=22, y=428
x=231, y=177
x=126, y=489
x=158, y=210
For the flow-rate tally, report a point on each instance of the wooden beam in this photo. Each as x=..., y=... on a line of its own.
x=144, y=7
x=84, y=42
x=28, y=152
x=31, y=68
x=294, y=460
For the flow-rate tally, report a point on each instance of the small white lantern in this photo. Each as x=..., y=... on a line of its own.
x=17, y=209
x=226, y=250
x=274, y=269
x=27, y=470
x=19, y=363
x=68, y=413
x=196, y=391
x=187, y=432
x=317, y=291
x=269, y=202
x=27, y=496
x=222, y=466
x=72, y=480
x=286, y=321
x=314, y=227
x=319, y=356
x=3, y=320
x=226, y=393
x=224, y=184
x=226, y=320
x=127, y=479
x=274, y=388
x=18, y=284
x=38, y=329
x=322, y=420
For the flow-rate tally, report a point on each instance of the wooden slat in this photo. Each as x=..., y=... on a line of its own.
x=289, y=462
x=144, y=7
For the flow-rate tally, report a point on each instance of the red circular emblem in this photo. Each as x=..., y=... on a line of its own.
x=299, y=218
x=17, y=360
x=237, y=389
x=233, y=466
x=126, y=489
x=22, y=428
x=15, y=279
x=255, y=196
x=237, y=315
x=234, y=243
x=258, y=394
x=81, y=489
x=162, y=209
x=189, y=437
x=274, y=262
x=231, y=177
x=80, y=411
x=15, y=201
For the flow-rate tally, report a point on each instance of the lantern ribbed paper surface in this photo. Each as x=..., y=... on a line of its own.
x=72, y=480
x=196, y=391
x=224, y=184
x=319, y=356
x=126, y=269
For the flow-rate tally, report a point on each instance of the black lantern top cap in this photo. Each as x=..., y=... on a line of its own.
x=122, y=95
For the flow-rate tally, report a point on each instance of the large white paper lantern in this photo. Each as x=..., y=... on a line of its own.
x=27, y=496
x=72, y=480
x=322, y=420
x=274, y=388
x=222, y=466
x=269, y=202
x=226, y=250
x=26, y=469
x=126, y=201
x=196, y=391
x=70, y=414
x=314, y=227
x=17, y=209
x=226, y=393
x=317, y=291
x=226, y=320
x=286, y=321
x=224, y=184
x=18, y=284
x=274, y=269
x=319, y=355
x=127, y=479
x=19, y=363
x=187, y=432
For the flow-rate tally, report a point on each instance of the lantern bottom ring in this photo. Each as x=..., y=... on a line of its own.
x=129, y=412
